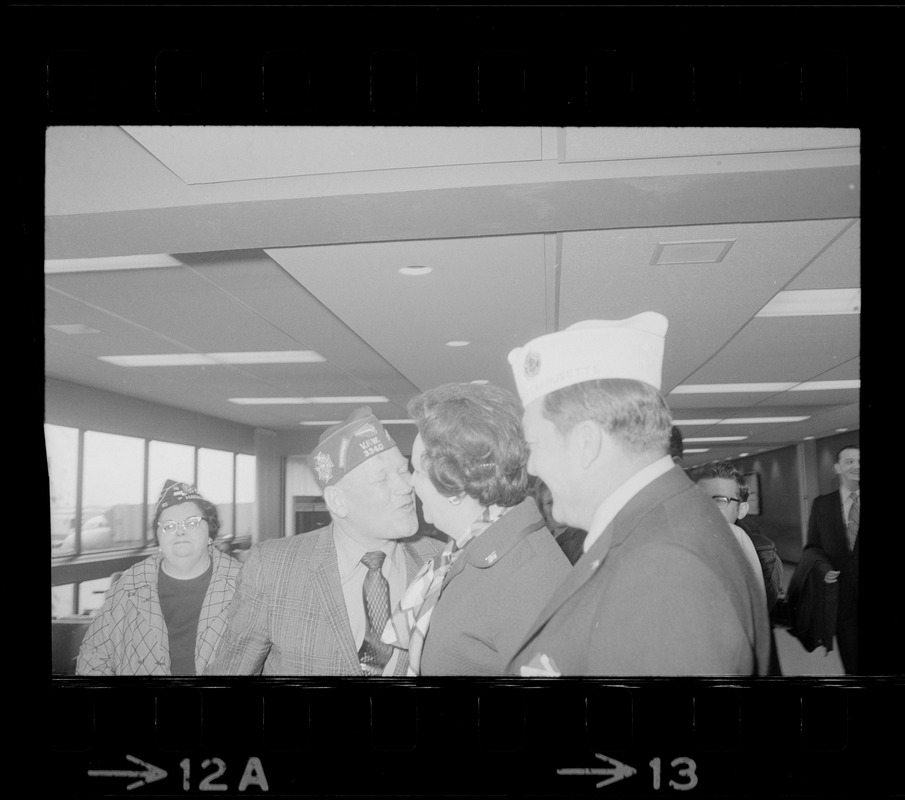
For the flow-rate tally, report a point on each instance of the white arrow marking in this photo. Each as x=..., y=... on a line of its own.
x=149, y=774
x=617, y=773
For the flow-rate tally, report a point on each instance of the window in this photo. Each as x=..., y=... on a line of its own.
x=113, y=492
x=62, y=446
x=215, y=483
x=103, y=490
x=246, y=493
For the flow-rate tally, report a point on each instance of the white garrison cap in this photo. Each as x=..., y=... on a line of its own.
x=591, y=350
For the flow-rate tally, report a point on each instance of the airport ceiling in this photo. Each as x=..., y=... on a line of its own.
x=291, y=240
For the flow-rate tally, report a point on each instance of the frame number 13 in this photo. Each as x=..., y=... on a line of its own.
x=686, y=771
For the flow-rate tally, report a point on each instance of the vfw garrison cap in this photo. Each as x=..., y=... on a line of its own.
x=347, y=444
x=591, y=350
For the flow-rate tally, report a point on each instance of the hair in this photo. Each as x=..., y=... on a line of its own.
x=632, y=411
x=724, y=469
x=208, y=512
x=473, y=442
x=846, y=447
x=676, y=445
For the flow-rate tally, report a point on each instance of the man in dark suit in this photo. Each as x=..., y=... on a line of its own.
x=660, y=588
x=316, y=603
x=833, y=533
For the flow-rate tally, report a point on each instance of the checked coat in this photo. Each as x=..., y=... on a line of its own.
x=128, y=635
x=289, y=616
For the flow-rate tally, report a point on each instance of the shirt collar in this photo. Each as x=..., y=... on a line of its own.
x=612, y=505
x=349, y=552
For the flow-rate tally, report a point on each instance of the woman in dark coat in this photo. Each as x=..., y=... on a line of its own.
x=466, y=611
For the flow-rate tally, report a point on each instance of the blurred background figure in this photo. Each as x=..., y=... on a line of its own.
x=571, y=540
x=165, y=615
x=832, y=545
x=469, y=607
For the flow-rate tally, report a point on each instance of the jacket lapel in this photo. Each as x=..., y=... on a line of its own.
x=616, y=532
x=329, y=595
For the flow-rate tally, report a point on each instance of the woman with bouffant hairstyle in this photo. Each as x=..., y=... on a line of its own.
x=467, y=608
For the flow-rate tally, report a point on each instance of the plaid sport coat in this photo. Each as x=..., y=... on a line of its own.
x=289, y=617
x=128, y=635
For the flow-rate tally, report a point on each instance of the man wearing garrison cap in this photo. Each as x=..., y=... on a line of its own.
x=306, y=605
x=661, y=588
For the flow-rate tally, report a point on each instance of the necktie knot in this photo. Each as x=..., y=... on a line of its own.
x=374, y=559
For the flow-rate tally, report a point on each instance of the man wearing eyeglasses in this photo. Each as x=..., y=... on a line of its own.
x=726, y=487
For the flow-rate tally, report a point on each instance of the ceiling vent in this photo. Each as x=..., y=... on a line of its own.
x=706, y=251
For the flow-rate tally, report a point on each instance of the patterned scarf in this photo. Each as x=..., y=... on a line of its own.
x=409, y=622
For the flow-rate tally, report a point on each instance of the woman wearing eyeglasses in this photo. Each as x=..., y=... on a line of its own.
x=165, y=615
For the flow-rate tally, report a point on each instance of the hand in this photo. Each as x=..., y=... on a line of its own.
x=832, y=576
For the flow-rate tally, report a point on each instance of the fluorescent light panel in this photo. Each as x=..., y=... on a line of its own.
x=738, y=421
x=688, y=450
x=73, y=329
x=54, y=265
x=716, y=438
x=316, y=423
x=742, y=388
x=207, y=359
x=813, y=303
x=304, y=401
x=818, y=386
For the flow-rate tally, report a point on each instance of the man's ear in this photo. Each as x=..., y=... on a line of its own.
x=742, y=509
x=336, y=501
x=588, y=439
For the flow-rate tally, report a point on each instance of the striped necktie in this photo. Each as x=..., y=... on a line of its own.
x=409, y=623
x=854, y=519
x=374, y=654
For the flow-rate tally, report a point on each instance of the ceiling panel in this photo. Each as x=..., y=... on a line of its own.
x=237, y=153
x=178, y=304
x=784, y=349
x=490, y=292
x=585, y=144
x=608, y=275
x=838, y=267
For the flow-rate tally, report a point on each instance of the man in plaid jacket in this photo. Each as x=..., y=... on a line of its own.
x=299, y=607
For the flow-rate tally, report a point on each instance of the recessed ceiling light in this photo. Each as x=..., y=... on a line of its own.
x=807, y=437
x=696, y=450
x=458, y=343
x=398, y=421
x=53, y=265
x=415, y=271
x=695, y=421
x=821, y=386
x=207, y=359
x=295, y=401
x=716, y=439
x=481, y=381
x=813, y=302
x=320, y=422
x=75, y=328
x=727, y=388
x=742, y=455
x=841, y=430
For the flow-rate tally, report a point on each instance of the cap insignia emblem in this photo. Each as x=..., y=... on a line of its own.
x=323, y=465
x=532, y=364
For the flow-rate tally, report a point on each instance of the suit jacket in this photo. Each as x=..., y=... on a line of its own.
x=663, y=591
x=492, y=593
x=827, y=537
x=288, y=616
x=128, y=635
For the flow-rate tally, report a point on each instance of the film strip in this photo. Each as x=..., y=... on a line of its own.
x=784, y=737
x=287, y=738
